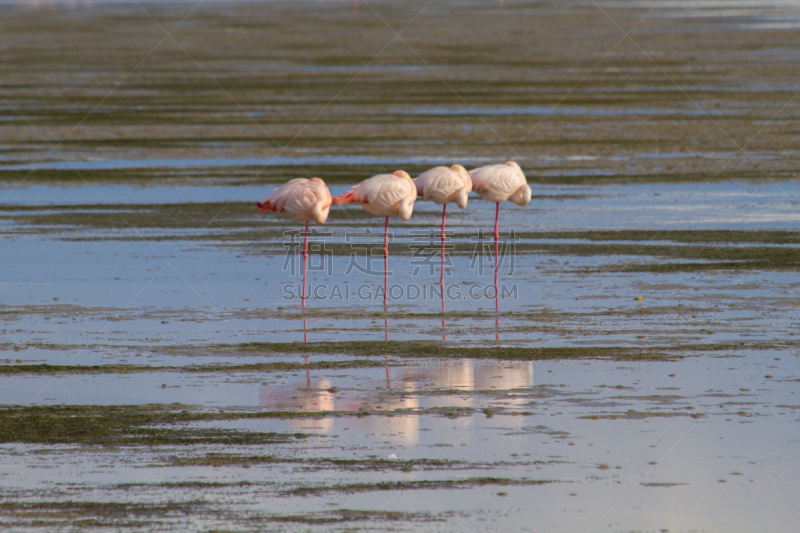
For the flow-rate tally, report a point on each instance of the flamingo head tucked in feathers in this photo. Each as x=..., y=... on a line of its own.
x=320, y=211
x=463, y=194
x=407, y=203
x=522, y=195
x=323, y=205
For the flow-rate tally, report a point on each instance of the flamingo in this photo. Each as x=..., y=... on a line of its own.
x=443, y=185
x=384, y=195
x=303, y=200
x=500, y=183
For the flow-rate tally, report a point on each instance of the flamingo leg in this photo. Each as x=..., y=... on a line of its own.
x=386, y=261
x=496, y=257
x=496, y=263
x=386, y=281
x=305, y=357
x=305, y=265
x=441, y=280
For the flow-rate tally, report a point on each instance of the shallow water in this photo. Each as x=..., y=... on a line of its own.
x=158, y=373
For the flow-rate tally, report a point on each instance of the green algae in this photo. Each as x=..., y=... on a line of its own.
x=185, y=485
x=684, y=236
x=207, y=215
x=167, y=425
x=338, y=516
x=96, y=514
x=753, y=257
x=632, y=414
x=151, y=425
x=219, y=222
x=220, y=460
x=15, y=312
x=788, y=261
x=194, y=369
x=417, y=349
x=446, y=484
x=99, y=508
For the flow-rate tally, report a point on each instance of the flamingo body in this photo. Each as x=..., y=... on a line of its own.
x=301, y=199
x=383, y=195
x=500, y=183
x=443, y=185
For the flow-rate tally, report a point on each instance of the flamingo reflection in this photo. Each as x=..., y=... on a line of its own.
x=308, y=399
x=315, y=396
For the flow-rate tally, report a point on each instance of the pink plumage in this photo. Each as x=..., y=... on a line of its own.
x=443, y=185
x=300, y=199
x=500, y=183
x=383, y=195
x=303, y=200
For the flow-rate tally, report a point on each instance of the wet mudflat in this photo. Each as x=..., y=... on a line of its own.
x=157, y=372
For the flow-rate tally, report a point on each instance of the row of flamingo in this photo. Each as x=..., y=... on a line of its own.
x=393, y=194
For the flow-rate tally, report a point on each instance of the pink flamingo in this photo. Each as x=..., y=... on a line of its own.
x=384, y=195
x=303, y=200
x=443, y=185
x=498, y=183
